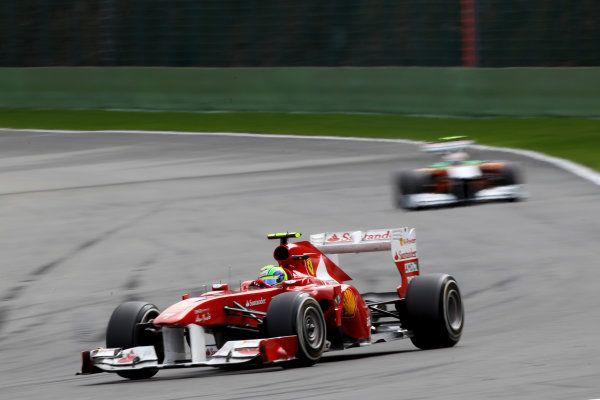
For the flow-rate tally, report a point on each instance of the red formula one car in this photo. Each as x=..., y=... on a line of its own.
x=292, y=322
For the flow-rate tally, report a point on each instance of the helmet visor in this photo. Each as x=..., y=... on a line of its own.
x=272, y=279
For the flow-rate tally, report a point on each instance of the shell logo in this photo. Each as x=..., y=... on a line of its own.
x=348, y=303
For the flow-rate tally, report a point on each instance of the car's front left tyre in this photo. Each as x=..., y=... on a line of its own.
x=121, y=332
x=298, y=313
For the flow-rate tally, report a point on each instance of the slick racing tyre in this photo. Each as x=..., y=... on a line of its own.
x=510, y=175
x=121, y=332
x=298, y=313
x=412, y=182
x=407, y=183
x=434, y=311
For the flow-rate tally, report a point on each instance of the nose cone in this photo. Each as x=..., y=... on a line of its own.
x=204, y=310
x=177, y=312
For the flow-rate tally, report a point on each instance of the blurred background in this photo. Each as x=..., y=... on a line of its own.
x=91, y=219
x=267, y=33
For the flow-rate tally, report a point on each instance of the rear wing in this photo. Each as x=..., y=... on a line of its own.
x=446, y=145
x=401, y=242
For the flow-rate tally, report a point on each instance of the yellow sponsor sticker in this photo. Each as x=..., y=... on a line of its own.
x=309, y=267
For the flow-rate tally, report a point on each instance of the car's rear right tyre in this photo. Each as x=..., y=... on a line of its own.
x=434, y=311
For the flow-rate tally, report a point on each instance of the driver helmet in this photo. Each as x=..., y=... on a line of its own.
x=272, y=275
x=456, y=156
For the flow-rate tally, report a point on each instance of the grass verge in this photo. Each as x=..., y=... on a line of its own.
x=571, y=138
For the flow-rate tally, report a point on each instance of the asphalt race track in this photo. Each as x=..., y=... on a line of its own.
x=89, y=220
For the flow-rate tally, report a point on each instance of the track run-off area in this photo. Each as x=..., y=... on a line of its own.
x=92, y=219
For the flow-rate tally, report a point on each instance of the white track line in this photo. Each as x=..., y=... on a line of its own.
x=572, y=167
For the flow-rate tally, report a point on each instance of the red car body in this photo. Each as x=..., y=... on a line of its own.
x=311, y=312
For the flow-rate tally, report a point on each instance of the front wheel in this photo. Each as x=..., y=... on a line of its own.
x=435, y=311
x=298, y=313
x=121, y=332
x=510, y=175
x=407, y=183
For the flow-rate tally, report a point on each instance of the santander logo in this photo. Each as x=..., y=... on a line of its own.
x=252, y=303
x=377, y=235
x=403, y=256
x=365, y=236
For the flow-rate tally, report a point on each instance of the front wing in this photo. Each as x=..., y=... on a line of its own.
x=266, y=351
x=422, y=200
x=259, y=351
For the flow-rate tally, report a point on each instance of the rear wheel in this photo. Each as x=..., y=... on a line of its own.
x=298, y=313
x=121, y=332
x=434, y=311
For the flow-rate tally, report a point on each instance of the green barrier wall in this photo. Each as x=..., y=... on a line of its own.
x=424, y=91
